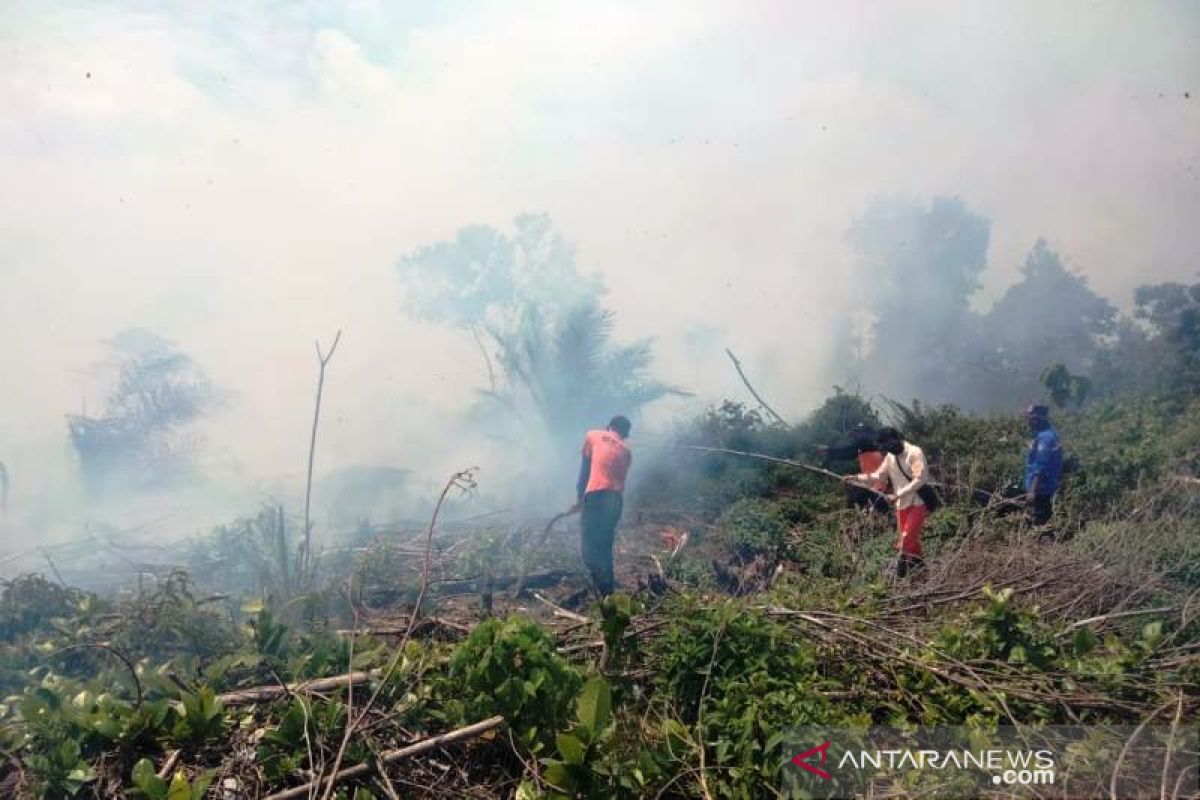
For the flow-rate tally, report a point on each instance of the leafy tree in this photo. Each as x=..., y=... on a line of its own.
x=142, y=435
x=548, y=344
x=1051, y=317
x=1156, y=350
x=1172, y=312
x=918, y=267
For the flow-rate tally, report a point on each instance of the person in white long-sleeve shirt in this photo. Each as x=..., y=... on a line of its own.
x=905, y=470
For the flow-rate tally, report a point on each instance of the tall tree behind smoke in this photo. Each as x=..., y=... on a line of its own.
x=142, y=438
x=1157, y=350
x=1172, y=310
x=1051, y=316
x=917, y=269
x=547, y=343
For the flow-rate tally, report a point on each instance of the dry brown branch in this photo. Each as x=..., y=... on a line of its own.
x=1112, y=784
x=395, y=630
x=746, y=381
x=1119, y=615
x=389, y=757
x=1162, y=787
x=257, y=694
x=559, y=611
x=322, y=361
x=382, y=780
x=169, y=764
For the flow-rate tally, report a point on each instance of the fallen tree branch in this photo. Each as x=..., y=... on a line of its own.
x=559, y=611
x=386, y=630
x=257, y=694
x=1119, y=615
x=1116, y=774
x=169, y=764
x=389, y=757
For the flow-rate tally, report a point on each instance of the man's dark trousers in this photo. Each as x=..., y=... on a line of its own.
x=601, y=513
x=1041, y=509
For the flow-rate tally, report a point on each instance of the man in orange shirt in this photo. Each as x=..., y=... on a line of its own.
x=602, y=471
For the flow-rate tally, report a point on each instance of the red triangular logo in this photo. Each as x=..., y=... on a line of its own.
x=801, y=760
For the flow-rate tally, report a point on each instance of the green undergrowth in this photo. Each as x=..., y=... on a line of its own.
x=701, y=700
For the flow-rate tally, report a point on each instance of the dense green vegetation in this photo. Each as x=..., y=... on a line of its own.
x=682, y=692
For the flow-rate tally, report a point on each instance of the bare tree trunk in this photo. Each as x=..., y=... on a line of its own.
x=281, y=554
x=322, y=362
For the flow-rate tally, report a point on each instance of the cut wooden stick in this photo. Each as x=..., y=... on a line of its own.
x=776, y=460
x=390, y=757
x=169, y=764
x=1120, y=615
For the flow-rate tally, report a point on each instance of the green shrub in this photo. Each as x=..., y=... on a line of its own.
x=509, y=667
x=747, y=679
x=754, y=526
x=30, y=601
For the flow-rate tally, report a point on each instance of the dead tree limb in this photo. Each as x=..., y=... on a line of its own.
x=169, y=764
x=257, y=694
x=389, y=757
x=1116, y=774
x=738, y=366
x=1119, y=615
x=322, y=361
x=559, y=611
x=397, y=630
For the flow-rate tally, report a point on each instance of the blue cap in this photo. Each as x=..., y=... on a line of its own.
x=1037, y=411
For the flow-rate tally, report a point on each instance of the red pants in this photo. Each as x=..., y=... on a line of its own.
x=912, y=520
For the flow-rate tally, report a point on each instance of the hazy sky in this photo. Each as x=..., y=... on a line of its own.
x=241, y=178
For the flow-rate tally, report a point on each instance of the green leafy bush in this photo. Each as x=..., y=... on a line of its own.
x=746, y=679
x=752, y=527
x=509, y=667
x=198, y=717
